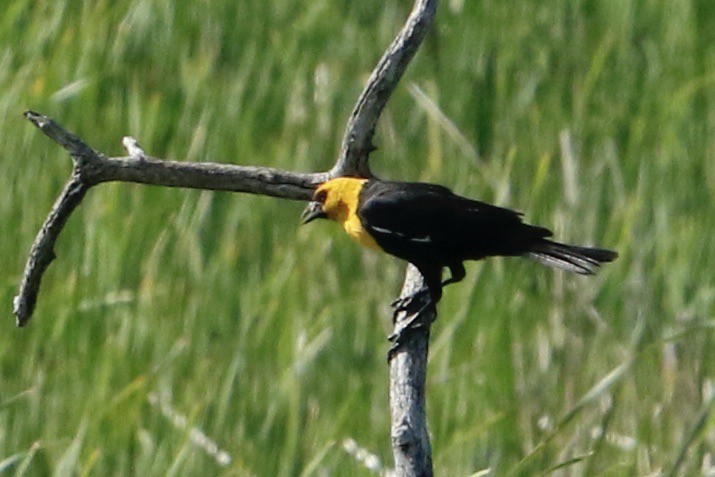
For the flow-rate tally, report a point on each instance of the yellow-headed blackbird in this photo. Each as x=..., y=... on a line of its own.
x=433, y=228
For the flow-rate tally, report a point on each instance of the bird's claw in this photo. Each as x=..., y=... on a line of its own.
x=419, y=321
x=403, y=303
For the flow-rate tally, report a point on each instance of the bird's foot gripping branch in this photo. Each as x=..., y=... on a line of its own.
x=412, y=313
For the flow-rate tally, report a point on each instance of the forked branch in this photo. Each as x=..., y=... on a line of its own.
x=91, y=168
x=410, y=440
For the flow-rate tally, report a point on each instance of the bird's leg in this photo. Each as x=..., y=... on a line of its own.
x=402, y=304
x=432, y=275
x=458, y=273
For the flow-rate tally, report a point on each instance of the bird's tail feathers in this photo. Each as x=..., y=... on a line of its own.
x=583, y=260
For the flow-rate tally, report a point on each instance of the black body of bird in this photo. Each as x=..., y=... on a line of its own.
x=433, y=228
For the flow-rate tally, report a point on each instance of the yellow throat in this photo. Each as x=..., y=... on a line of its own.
x=341, y=205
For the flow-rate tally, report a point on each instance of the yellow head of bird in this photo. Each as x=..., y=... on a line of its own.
x=335, y=199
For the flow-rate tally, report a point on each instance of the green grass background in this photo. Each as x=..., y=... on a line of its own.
x=595, y=117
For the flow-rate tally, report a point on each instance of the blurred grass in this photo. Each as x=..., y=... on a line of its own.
x=594, y=117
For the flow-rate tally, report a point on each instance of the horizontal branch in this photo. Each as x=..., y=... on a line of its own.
x=91, y=168
x=204, y=175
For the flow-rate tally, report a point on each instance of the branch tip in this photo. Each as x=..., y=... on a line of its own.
x=39, y=120
x=133, y=148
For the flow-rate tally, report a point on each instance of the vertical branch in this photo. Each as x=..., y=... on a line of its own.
x=408, y=373
x=408, y=364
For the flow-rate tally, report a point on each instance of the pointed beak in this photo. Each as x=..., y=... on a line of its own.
x=313, y=211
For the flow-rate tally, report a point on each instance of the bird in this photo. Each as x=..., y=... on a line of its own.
x=435, y=229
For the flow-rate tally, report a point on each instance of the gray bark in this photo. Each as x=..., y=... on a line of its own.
x=408, y=364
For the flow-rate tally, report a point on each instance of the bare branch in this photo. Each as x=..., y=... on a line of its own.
x=204, y=175
x=92, y=167
x=43, y=249
x=408, y=365
x=357, y=142
x=411, y=446
x=408, y=373
x=57, y=133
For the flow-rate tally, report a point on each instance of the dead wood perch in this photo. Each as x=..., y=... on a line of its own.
x=410, y=439
x=91, y=168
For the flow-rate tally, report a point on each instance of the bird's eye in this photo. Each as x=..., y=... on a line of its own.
x=320, y=196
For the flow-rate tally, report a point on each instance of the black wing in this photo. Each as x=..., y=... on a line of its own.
x=429, y=223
